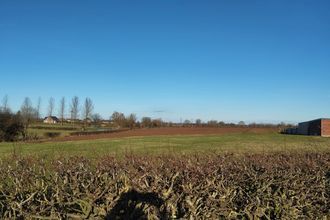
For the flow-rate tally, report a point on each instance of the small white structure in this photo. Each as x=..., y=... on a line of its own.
x=51, y=120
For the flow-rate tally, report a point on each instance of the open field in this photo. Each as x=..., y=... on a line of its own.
x=166, y=174
x=41, y=129
x=163, y=141
x=169, y=131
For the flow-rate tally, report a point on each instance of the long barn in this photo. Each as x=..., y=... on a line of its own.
x=318, y=127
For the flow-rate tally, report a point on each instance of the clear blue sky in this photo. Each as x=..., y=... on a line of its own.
x=264, y=61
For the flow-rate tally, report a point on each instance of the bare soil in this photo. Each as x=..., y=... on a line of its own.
x=167, y=131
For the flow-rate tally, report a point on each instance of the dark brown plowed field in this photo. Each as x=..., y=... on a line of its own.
x=168, y=131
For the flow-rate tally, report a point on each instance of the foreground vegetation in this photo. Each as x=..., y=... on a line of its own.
x=231, y=176
x=277, y=186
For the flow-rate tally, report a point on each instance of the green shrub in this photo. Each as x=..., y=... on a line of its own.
x=52, y=134
x=11, y=127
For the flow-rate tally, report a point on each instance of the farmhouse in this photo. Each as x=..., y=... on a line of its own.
x=318, y=127
x=51, y=120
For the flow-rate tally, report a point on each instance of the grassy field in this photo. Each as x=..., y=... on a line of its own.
x=40, y=130
x=226, y=143
x=41, y=133
x=225, y=176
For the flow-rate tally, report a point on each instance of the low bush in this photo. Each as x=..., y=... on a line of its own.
x=53, y=128
x=11, y=127
x=31, y=136
x=278, y=186
x=52, y=134
x=82, y=133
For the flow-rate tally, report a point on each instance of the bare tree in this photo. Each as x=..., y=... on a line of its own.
x=146, y=122
x=28, y=113
x=38, y=108
x=131, y=120
x=51, y=106
x=74, y=108
x=158, y=122
x=118, y=119
x=97, y=118
x=186, y=123
x=198, y=122
x=5, y=107
x=62, y=109
x=212, y=123
x=241, y=123
x=88, y=109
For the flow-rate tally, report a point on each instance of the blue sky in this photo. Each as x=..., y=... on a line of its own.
x=264, y=61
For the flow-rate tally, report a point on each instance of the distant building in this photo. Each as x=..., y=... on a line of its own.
x=88, y=120
x=105, y=122
x=317, y=127
x=51, y=120
x=291, y=130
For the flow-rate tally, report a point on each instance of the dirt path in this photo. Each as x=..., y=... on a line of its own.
x=167, y=131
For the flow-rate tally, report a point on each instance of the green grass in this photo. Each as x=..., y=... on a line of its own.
x=40, y=129
x=41, y=132
x=228, y=143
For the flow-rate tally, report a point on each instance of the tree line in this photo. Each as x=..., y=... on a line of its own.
x=30, y=113
x=13, y=125
x=84, y=111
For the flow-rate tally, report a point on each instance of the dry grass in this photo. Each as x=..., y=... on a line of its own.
x=273, y=186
